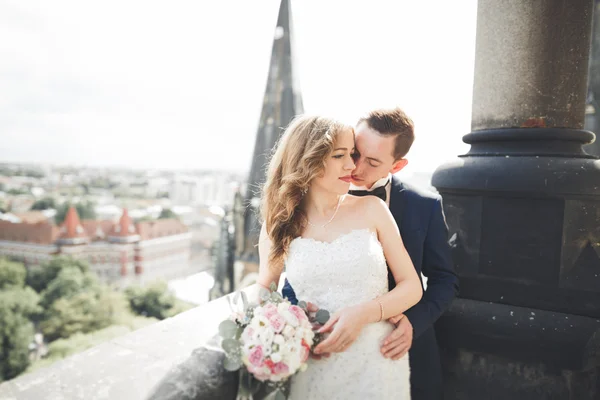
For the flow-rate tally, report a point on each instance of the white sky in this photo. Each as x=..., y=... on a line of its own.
x=179, y=84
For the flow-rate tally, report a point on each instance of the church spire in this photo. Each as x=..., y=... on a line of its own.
x=124, y=231
x=282, y=101
x=71, y=231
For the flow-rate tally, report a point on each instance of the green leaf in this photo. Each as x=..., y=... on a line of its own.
x=228, y=329
x=276, y=297
x=238, y=333
x=232, y=365
x=264, y=294
x=322, y=316
x=273, y=287
x=303, y=305
x=231, y=347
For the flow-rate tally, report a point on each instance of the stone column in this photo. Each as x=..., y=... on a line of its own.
x=523, y=209
x=531, y=63
x=592, y=114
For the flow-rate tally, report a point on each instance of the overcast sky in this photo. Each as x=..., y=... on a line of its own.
x=179, y=84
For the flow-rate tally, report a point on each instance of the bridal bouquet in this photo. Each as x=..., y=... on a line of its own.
x=268, y=342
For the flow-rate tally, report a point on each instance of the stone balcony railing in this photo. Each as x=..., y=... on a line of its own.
x=172, y=359
x=534, y=353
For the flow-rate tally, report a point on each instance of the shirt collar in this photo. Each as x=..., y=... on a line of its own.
x=382, y=182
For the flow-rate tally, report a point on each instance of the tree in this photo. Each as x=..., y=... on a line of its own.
x=166, y=213
x=12, y=274
x=17, y=192
x=17, y=305
x=85, y=211
x=68, y=283
x=152, y=301
x=145, y=218
x=72, y=298
x=40, y=277
x=85, y=311
x=44, y=204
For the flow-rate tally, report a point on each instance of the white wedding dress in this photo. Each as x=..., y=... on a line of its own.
x=348, y=271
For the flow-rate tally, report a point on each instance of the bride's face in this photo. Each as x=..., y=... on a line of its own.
x=338, y=165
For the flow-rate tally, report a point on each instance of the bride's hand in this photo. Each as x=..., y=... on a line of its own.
x=345, y=326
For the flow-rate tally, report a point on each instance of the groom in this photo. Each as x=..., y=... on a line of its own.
x=383, y=138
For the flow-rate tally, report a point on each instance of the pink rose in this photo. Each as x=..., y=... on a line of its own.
x=280, y=369
x=305, y=351
x=304, y=354
x=277, y=322
x=298, y=313
x=256, y=356
x=269, y=310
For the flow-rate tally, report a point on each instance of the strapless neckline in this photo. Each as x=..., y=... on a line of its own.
x=337, y=239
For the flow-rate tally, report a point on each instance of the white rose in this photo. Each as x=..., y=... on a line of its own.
x=278, y=339
x=289, y=332
x=309, y=335
x=293, y=350
x=290, y=318
x=299, y=335
x=282, y=307
x=276, y=357
x=266, y=337
x=259, y=322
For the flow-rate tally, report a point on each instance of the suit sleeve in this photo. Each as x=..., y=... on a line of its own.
x=442, y=281
x=288, y=292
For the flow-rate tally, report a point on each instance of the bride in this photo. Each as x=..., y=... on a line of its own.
x=334, y=248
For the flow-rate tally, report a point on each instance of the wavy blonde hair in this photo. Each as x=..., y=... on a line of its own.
x=298, y=158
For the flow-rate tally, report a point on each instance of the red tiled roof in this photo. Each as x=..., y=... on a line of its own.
x=124, y=227
x=71, y=227
x=96, y=229
x=40, y=233
x=160, y=228
x=32, y=217
x=47, y=233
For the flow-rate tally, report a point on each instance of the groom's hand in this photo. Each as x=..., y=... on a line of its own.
x=399, y=341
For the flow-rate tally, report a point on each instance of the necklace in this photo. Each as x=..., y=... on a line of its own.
x=330, y=219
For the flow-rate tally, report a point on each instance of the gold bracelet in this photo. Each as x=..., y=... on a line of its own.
x=381, y=310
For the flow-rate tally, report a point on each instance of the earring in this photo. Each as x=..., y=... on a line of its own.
x=304, y=191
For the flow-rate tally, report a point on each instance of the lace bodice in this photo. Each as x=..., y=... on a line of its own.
x=347, y=271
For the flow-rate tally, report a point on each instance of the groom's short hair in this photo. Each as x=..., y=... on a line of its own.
x=392, y=122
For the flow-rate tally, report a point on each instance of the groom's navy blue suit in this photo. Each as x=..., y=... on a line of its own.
x=420, y=218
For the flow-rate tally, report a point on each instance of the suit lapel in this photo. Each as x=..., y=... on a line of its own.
x=397, y=201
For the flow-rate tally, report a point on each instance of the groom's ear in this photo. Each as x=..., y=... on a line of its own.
x=398, y=165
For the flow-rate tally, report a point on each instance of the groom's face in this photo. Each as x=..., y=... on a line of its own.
x=374, y=157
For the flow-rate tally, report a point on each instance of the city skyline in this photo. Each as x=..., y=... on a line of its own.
x=173, y=88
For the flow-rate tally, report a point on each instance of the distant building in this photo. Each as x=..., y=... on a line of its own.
x=120, y=251
x=209, y=190
x=236, y=256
